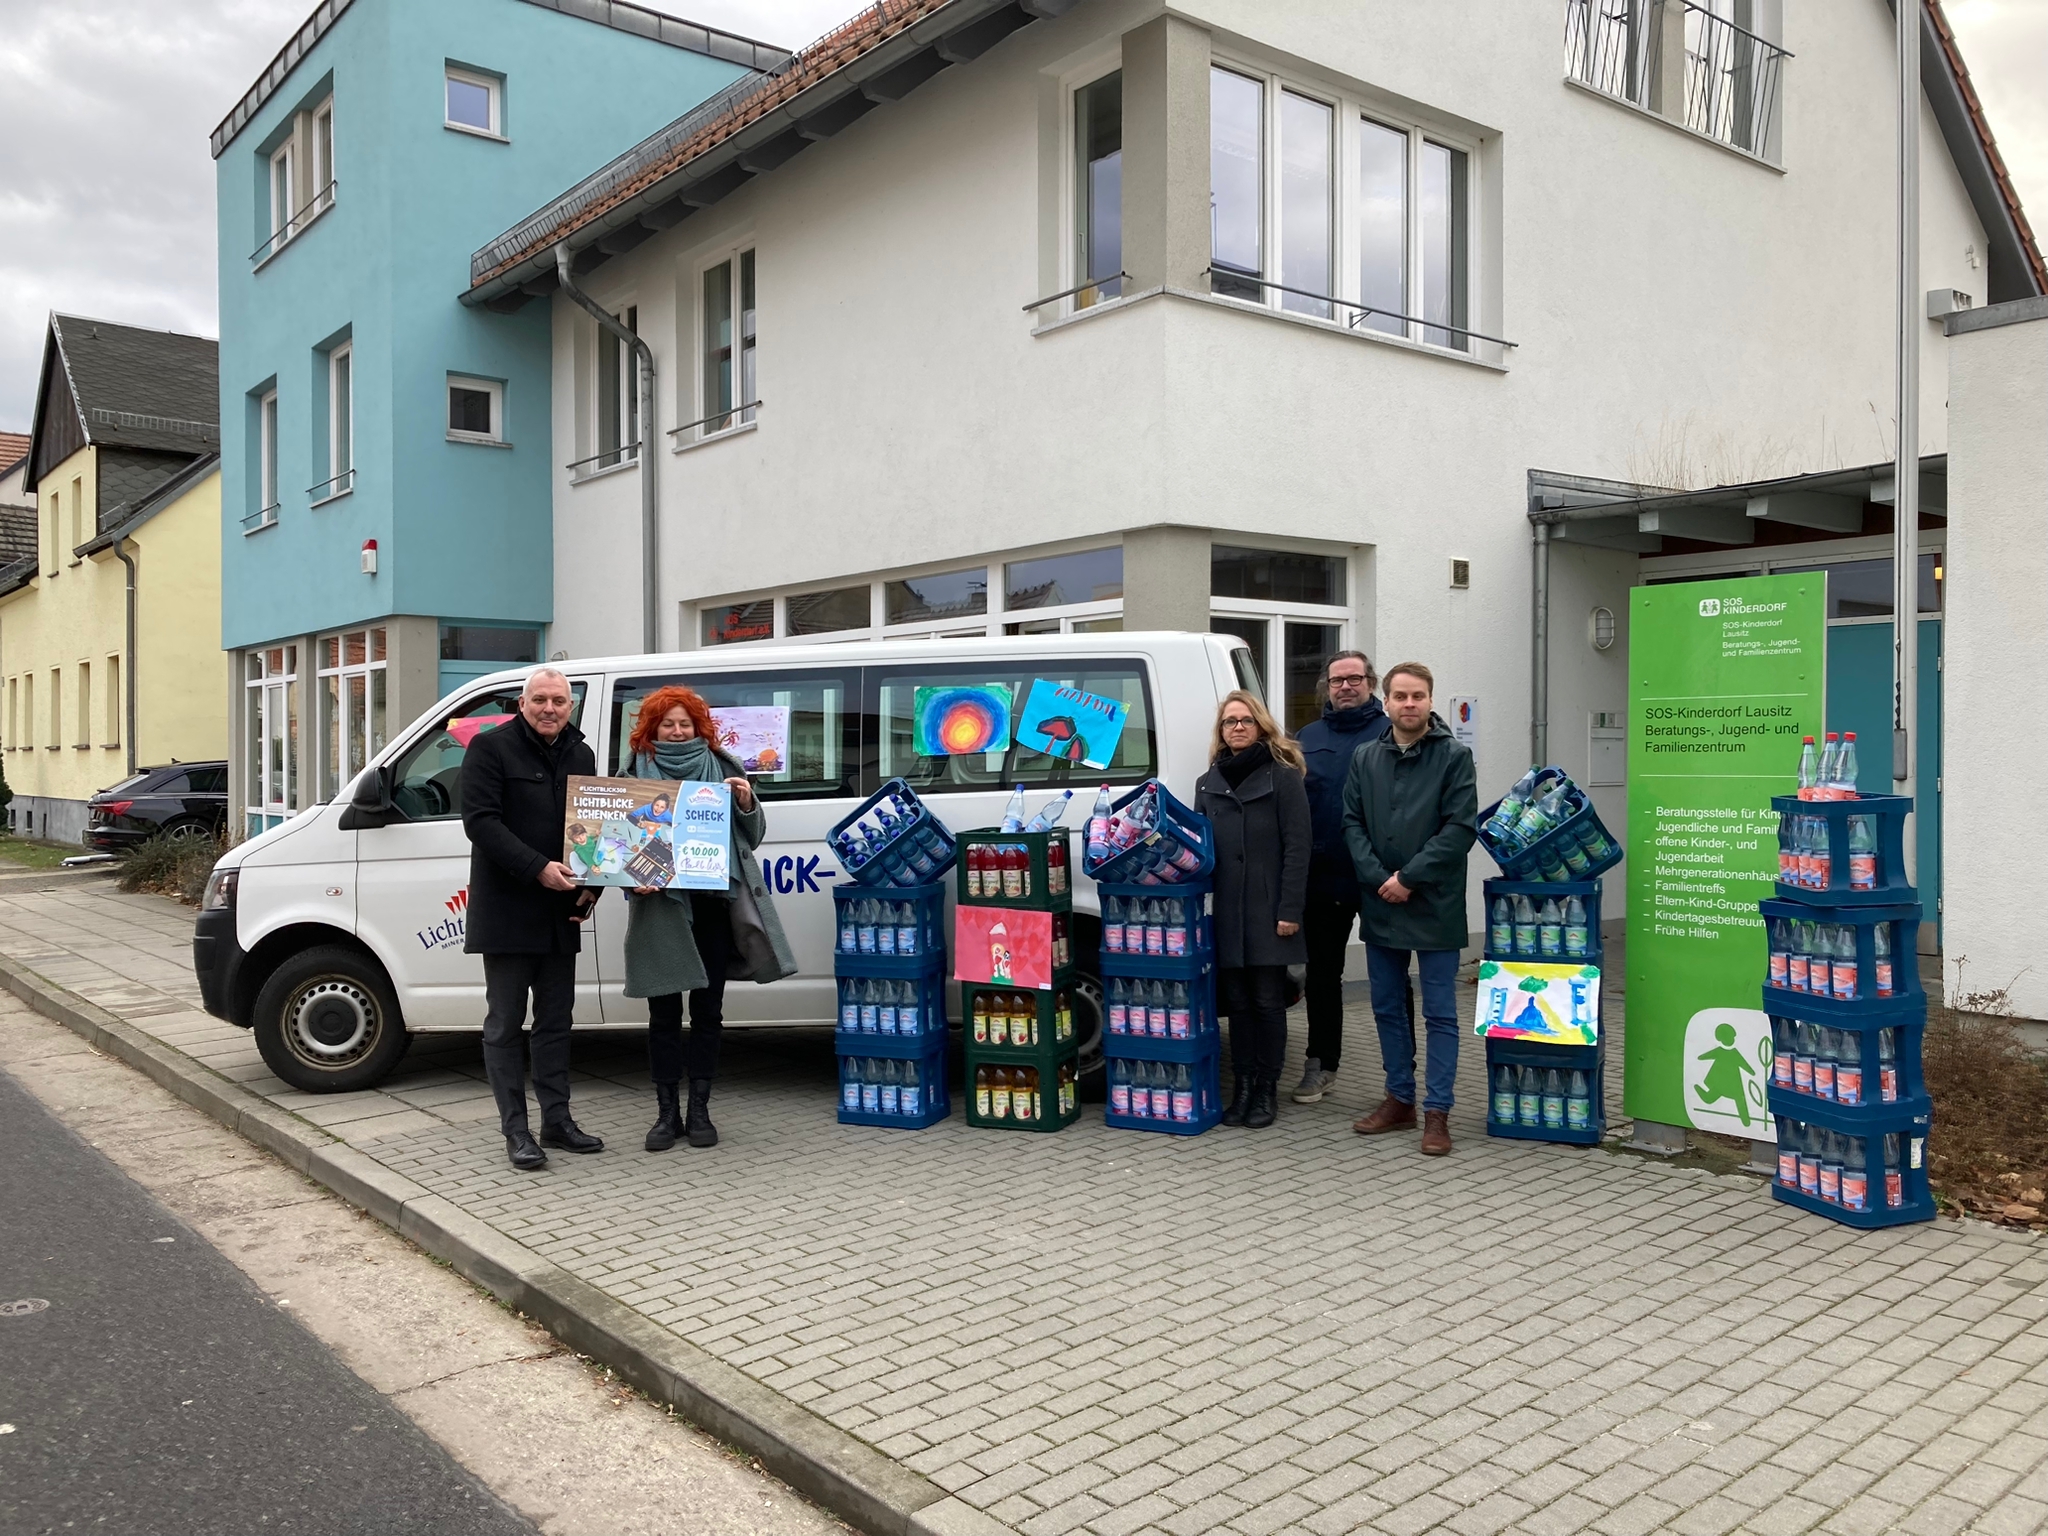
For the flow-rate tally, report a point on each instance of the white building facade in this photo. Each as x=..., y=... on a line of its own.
x=1328, y=284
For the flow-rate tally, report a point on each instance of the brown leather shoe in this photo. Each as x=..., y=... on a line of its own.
x=1436, y=1133
x=1392, y=1115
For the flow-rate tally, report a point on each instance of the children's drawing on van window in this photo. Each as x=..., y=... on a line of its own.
x=756, y=734
x=467, y=728
x=959, y=721
x=1071, y=724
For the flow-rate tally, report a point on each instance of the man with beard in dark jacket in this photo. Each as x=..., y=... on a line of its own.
x=1411, y=814
x=1351, y=717
x=524, y=908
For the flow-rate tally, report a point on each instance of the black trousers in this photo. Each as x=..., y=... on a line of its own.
x=508, y=979
x=1326, y=924
x=669, y=1058
x=1254, y=998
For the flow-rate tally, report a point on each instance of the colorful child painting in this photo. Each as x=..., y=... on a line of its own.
x=999, y=953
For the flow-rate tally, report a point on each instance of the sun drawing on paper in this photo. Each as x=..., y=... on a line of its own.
x=952, y=722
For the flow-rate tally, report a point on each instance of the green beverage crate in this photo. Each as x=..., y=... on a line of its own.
x=1048, y=1060
x=1039, y=875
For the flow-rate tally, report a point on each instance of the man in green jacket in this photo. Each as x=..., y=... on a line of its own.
x=1411, y=811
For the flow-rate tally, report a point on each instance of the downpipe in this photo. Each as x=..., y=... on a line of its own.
x=643, y=355
x=128, y=663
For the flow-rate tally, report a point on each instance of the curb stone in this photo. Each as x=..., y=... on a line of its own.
x=844, y=1474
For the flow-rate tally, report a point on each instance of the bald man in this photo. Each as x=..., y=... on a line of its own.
x=525, y=908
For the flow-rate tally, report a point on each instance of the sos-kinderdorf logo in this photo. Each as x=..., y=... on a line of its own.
x=1710, y=607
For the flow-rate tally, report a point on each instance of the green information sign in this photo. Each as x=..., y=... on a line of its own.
x=1725, y=677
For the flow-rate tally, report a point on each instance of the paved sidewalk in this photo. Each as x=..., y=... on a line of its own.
x=1296, y=1329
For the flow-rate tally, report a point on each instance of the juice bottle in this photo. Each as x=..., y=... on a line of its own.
x=978, y=1018
x=1024, y=1095
x=1023, y=1018
x=1070, y=1090
x=1063, y=1017
x=999, y=1094
x=1056, y=865
x=1016, y=872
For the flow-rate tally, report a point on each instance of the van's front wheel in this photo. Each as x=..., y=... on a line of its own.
x=1092, y=1069
x=326, y=1021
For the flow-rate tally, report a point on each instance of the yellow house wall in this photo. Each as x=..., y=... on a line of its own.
x=73, y=616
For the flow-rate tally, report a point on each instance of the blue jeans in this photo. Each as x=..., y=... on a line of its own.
x=1388, y=971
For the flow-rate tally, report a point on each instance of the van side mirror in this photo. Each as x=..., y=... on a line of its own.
x=371, y=805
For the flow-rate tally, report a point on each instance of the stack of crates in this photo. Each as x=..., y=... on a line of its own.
x=1519, y=1105
x=1564, y=864
x=1847, y=1014
x=1023, y=1055
x=1160, y=1033
x=889, y=963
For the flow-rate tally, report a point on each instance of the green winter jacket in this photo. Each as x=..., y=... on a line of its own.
x=1412, y=811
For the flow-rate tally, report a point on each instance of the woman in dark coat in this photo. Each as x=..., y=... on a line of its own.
x=1254, y=796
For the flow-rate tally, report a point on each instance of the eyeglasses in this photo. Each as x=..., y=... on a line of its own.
x=1238, y=722
x=1347, y=680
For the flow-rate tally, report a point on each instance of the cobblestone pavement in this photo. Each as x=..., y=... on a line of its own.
x=1296, y=1329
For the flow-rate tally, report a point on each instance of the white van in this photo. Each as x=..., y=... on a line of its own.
x=339, y=933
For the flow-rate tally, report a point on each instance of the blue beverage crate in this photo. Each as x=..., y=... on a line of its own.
x=937, y=1101
x=1906, y=1020
x=930, y=1005
x=1526, y=862
x=1180, y=831
x=1540, y=891
x=1193, y=900
x=1889, y=813
x=928, y=921
x=1205, y=1069
x=1589, y=1059
x=1202, y=1024
x=1904, y=922
x=894, y=866
x=1911, y=1127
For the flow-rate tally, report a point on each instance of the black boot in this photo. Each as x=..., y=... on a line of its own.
x=1265, y=1105
x=1241, y=1101
x=668, y=1120
x=698, y=1127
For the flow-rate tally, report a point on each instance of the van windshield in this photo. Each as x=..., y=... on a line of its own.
x=968, y=726
x=427, y=780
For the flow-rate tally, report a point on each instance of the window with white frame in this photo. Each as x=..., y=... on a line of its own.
x=352, y=705
x=341, y=425
x=618, y=395
x=115, y=699
x=84, y=738
x=1333, y=208
x=1292, y=608
x=1099, y=189
x=474, y=102
x=270, y=739
x=730, y=398
x=476, y=410
x=264, y=513
x=322, y=188
x=299, y=177
x=283, y=180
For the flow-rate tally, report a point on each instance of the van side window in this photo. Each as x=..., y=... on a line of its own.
x=892, y=695
x=427, y=779
x=796, y=729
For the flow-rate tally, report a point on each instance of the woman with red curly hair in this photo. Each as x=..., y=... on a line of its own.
x=693, y=942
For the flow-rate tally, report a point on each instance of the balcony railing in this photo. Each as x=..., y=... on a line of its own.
x=598, y=463
x=334, y=486
x=716, y=425
x=296, y=225
x=260, y=519
x=1728, y=88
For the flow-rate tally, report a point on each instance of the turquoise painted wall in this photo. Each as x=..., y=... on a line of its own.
x=1860, y=700
x=462, y=530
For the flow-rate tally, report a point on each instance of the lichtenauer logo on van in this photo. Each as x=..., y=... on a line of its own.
x=447, y=934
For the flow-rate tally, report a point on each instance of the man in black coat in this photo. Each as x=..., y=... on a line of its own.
x=524, y=908
x=1351, y=717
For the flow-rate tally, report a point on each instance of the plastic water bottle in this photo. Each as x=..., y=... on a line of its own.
x=907, y=928
x=870, y=1088
x=1592, y=839
x=1804, y=1046
x=1788, y=849
x=1844, y=970
x=1500, y=931
x=1848, y=1066
x=1887, y=1066
x=1809, y=769
x=1780, y=952
x=1788, y=1152
x=866, y=933
x=1500, y=826
x=1098, y=829
x=1824, y=1064
x=1576, y=859
x=870, y=1010
x=1550, y=930
x=849, y=929
x=1809, y=1161
x=1155, y=927
x=1820, y=862
x=910, y=1097
x=1831, y=1167
x=1504, y=1095
x=885, y=1007
x=1577, y=936
x=849, y=1082
x=1881, y=961
x=1798, y=962
x=1578, y=1102
x=1013, y=814
x=1525, y=926
x=885, y=927
x=1846, y=771
x=1862, y=854
x=1112, y=925
x=1540, y=816
x=1550, y=866
x=1781, y=1052
x=1820, y=957
x=1119, y=1086
x=1182, y=1088
x=1179, y=1017
x=1553, y=1100
x=1178, y=941
x=1824, y=773
x=1049, y=814
x=1894, y=1176
x=1529, y=1099
x=1157, y=1022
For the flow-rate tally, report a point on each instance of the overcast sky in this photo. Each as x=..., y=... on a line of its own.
x=106, y=184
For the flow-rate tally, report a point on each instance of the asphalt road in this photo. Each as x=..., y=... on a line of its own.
x=160, y=1391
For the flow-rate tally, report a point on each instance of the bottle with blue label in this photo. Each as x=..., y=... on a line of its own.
x=870, y=1088
x=910, y=1092
x=849, y=1005
x=849, y=1082
x=907, y=928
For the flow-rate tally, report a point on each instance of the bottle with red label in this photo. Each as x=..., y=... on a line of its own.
x=1056, y=866
x=1887, y=1066
x=1881, y=943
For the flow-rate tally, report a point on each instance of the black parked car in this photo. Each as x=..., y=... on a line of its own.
x=180, y=800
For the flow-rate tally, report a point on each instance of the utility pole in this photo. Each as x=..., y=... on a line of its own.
x=1906, y=486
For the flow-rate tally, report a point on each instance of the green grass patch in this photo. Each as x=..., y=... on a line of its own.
x=31, y=853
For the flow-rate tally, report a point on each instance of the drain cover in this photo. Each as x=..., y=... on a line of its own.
x=23, y=1307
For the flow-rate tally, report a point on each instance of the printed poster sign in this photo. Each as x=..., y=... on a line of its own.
x=647, y=832
x=1465, y=721
x=1071, y=723
x=756, y=734
x=1546, y=1004
x=1725, y=677
x=957, y=721
x=1005, y=947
